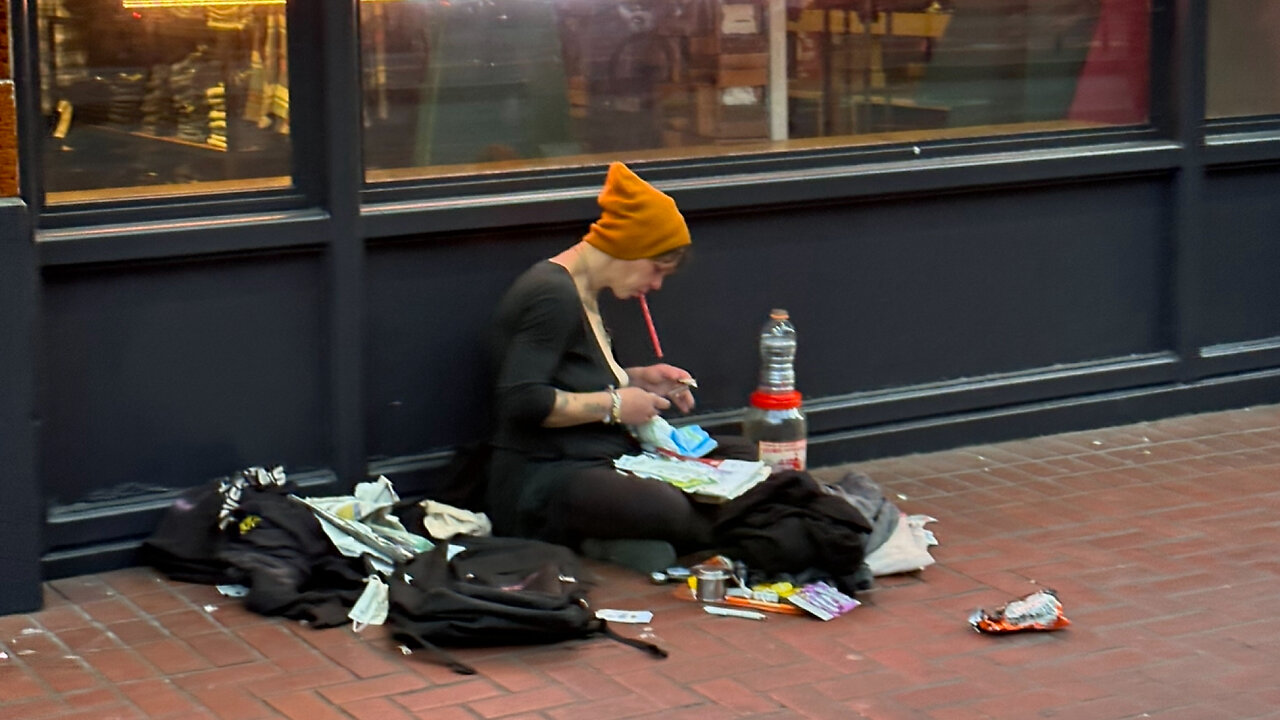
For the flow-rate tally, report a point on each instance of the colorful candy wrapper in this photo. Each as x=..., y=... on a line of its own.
x=822, y=600
x=1040, y=610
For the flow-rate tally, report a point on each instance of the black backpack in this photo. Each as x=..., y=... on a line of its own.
x=483, y=591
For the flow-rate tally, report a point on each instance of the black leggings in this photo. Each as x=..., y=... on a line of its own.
x=600, y=502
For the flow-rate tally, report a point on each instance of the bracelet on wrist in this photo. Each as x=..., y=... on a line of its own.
x=615, y=407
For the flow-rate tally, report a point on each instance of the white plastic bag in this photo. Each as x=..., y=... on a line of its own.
x=906, y=550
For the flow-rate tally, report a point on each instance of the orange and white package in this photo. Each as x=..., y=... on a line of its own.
x=1040, y=610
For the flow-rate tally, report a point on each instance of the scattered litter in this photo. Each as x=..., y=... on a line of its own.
x=4, y=656
x=1097, y=442
x=709, y=584
x=233, y=591
x=443, y=521
x=632, y=617
x=712, y=480
x=1039, y=610
x=362, y=525
x=902, y=497
x=31, y=631
x=822, y=601
x=730, y=612
x=210, y=608
x=906, y=549
x=671, y=574
x=372, y=605
x=766, y=605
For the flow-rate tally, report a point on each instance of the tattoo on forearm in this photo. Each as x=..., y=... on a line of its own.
x=570, y=408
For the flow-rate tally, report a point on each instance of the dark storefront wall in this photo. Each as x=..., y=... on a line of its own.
x=21, y=533
x=939, y=303
x=152, y=369
x=887, y=294
x=1241, y=257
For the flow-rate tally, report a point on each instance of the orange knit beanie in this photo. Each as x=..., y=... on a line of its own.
x=637, y=220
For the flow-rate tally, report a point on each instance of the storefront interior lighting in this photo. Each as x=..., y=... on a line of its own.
x=135, y=4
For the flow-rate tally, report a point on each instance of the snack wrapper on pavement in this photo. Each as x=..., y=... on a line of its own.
x=1040, y=610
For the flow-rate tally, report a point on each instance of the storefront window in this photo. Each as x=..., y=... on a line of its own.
x=1242, y=58
x=460, y=86
x=8, y=115
x=150, y=97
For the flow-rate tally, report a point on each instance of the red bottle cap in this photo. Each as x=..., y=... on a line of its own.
x=776, y=401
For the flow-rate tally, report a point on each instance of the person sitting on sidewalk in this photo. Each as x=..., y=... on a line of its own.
x=563, y=401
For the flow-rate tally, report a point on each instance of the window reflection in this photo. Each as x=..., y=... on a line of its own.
x=456, y=86
x=148, y=97
x=1242, y=57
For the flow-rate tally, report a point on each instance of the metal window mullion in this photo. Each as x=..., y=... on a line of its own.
x=1187, y=57
x=338, y=162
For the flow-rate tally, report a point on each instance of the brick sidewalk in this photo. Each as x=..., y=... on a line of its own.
x=1160, y=538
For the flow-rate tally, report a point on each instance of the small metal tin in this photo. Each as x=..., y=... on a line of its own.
x=709, y=584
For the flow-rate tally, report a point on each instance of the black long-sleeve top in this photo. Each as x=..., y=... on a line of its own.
x=542, y=341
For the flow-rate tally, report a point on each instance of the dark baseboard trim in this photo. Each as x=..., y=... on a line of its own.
x=404, y=464
x=832, y=414
x=1227, y=358
x=1049, y=417
x=91, y=559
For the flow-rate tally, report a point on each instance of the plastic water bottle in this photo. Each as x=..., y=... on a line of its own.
x=775, y=421
x=778, y=353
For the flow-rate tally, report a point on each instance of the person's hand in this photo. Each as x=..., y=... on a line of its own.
x=669, y=381
x=640, y=406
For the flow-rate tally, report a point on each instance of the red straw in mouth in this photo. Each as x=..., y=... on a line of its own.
x=653, y=332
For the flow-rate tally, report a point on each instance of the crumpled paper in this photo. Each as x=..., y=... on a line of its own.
x=363, y=523
x=443, y=521
x=688, y=440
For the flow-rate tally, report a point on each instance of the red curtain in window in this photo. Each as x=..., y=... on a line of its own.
x=1114, y=83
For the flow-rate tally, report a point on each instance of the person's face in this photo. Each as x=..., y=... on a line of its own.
x=641, y=276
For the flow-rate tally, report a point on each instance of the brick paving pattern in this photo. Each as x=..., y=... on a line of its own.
x=1160, y=538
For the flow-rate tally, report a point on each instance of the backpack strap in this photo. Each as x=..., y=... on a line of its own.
x=599, y=627
x=603, y=629
x=449, y=660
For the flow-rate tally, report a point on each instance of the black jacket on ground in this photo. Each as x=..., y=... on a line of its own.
x=269, y=543
x=789, y=525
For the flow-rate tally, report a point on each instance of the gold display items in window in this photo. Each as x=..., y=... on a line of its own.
x=136, y=4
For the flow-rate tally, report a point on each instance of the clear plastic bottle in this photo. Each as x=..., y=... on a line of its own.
x=775, y=421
